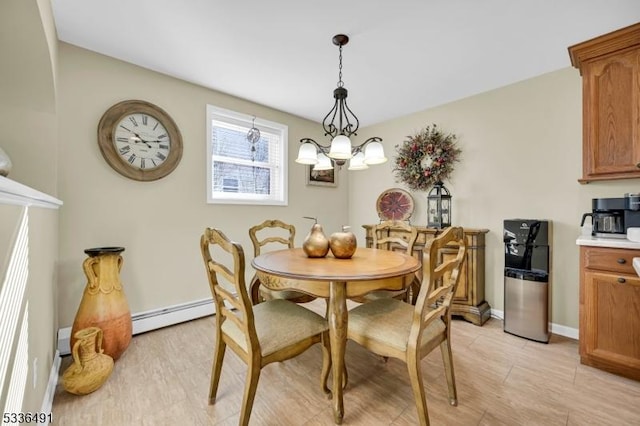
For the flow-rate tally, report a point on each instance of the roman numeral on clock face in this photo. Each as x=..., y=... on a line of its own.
x=133, y=120
x=124, y=150
x=132, y=158
x=144, y=119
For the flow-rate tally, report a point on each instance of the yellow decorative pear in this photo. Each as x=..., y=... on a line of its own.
x=315, y=244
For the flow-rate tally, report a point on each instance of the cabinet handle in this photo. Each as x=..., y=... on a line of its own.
x=621, y=280
x=622, y=261
x=638, y=165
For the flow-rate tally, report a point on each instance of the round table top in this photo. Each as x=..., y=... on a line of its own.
x=365, y=264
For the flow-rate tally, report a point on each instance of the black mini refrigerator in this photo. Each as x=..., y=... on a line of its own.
x=526, y=278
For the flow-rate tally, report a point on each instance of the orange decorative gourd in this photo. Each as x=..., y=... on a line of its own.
x=343, y=244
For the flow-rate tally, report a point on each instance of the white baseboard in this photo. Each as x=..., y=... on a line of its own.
x=47, y=401
x=153, y=320
x=561, y=330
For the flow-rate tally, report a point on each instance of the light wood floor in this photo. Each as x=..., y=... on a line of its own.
x=163, y=379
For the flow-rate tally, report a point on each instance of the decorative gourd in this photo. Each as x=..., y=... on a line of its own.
x=343, y=244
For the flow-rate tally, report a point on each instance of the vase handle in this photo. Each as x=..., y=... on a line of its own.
x=91, y=274
x=120, y=262
x=76, y=356
x=99, y=341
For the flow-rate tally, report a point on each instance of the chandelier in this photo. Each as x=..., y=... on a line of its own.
x=340, y=124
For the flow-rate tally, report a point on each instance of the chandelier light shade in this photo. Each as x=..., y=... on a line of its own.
x=340, y=124
x=307, y=154
x=357, y=162
x=324, y=163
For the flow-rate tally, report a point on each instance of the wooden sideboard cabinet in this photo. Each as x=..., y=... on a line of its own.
x=610, y=310
x=468, y=300
x=610, y=69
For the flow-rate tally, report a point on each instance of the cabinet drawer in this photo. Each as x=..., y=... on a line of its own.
x=608, y=259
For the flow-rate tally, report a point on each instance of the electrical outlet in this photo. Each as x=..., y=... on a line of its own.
x=35, y=372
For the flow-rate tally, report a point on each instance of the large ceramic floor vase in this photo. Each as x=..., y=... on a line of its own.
x=103, y=303
x=91, y=366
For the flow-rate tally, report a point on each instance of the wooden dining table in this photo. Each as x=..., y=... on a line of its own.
x=337, y=280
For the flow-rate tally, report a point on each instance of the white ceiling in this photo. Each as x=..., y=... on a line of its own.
x=403, y=56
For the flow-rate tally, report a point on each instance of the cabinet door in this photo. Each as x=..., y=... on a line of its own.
x=611, y=120
x=611, y=321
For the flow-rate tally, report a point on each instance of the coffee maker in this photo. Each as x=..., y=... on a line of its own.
x=611, y=217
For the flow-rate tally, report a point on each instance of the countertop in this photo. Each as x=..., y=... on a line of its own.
x=588, y=240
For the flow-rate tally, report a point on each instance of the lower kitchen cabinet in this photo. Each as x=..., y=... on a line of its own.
x=610, y=310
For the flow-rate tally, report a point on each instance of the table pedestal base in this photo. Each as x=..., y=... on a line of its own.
x=338, y=336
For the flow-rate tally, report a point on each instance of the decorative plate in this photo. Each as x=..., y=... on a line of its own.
x=395, y=204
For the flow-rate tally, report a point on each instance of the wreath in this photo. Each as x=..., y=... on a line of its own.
x=426, y=158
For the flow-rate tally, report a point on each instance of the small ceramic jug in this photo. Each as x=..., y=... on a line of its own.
x=91, y=367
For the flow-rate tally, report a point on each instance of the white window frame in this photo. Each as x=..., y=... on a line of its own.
x=279, y=194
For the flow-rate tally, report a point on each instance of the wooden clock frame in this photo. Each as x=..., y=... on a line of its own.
x=106, y=133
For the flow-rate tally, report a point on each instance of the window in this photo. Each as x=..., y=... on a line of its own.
x=239, y=173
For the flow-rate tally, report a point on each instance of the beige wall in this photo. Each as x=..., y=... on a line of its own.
x=521, y=158
x=159, y=223
x=29, y=135
x=42, y=296
x=27, y=85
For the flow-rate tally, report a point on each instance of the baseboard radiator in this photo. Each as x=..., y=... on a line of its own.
x=153, y=319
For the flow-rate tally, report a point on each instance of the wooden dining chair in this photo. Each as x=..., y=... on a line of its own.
x=383, y=238
x=274, y=234
x=391, y=328
x=273, y=331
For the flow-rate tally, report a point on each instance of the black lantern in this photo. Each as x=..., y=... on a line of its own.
x=439, y=207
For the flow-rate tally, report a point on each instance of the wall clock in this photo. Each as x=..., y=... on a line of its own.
x=139, y=140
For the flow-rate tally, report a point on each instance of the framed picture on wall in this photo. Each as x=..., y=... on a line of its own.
x=321, y=177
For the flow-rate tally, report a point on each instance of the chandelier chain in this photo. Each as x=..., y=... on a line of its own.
x=340, y=83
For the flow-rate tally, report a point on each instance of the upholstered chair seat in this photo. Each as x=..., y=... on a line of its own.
x=279, y=323
x=389, y=322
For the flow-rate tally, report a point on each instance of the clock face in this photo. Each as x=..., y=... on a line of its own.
x=142, y=141
x=139, y=140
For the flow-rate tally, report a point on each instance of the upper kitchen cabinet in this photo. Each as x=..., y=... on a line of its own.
x=610, y=69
